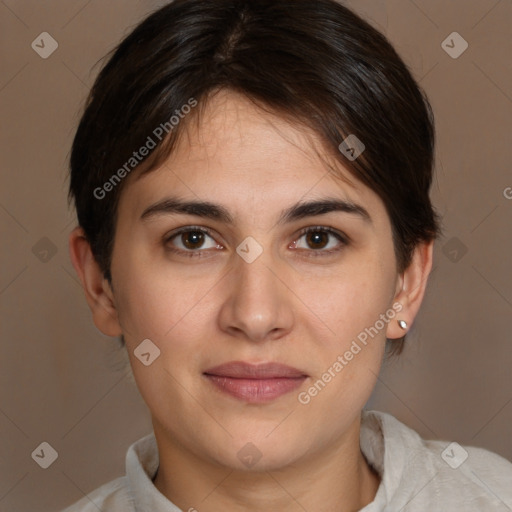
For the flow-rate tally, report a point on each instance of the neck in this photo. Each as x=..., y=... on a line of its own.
x=338, y=479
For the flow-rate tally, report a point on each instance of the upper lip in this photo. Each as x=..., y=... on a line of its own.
x=241, y=370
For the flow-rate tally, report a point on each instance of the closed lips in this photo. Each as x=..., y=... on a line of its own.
x=242, y=370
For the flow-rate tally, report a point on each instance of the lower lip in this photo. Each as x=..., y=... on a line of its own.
x=256, y=390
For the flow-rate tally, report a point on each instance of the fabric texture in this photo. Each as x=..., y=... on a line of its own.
x=416, y=475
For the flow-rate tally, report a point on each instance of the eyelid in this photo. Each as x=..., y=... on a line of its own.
x=187, y=229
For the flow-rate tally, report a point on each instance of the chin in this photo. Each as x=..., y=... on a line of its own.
x=259, y=454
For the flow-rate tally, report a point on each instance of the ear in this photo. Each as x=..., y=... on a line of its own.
x=411, y=286
x=98, y=291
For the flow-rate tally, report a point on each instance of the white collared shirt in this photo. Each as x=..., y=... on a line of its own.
x=416, y=475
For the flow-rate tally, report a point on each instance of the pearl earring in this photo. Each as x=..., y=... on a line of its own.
x=402, y=324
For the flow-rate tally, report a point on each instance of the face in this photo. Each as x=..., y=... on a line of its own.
x=253, y=277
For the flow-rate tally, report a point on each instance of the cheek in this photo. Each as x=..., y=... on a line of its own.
x=172, y=311
x=348, y=355
x=155, y=305
x=354, y=307
x=168, y=304
x=351, y=299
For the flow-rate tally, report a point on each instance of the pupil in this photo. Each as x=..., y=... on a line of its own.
x=192, y=239
x=316, y=238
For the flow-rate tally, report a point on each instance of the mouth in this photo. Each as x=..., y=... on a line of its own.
x=255, y=383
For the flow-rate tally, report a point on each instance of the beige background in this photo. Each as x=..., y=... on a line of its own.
x=62, y=381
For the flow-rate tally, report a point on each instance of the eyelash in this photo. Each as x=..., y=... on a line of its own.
x=199, y=253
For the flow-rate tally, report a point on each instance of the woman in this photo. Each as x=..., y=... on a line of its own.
x=251, y=179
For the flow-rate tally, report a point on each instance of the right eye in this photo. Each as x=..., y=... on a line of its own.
x=190, y=240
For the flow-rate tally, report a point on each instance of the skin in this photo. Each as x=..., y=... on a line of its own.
x=204, y=311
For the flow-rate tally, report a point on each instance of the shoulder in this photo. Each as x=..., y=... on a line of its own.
x=110, y=497
x=477, y=475
x=441, y=473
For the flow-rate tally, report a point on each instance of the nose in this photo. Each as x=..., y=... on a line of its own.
x=258, y=304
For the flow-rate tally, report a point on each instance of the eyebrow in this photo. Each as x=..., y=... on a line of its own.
x=298, y=211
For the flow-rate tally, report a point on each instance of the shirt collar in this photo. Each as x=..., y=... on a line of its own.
x=384, y=450
x=141, y=465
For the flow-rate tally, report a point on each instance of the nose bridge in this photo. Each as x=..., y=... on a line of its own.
x=257, y=304
x=256, y=278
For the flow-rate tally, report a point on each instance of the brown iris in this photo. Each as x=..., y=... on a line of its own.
x=192, y=239
x=315, y=239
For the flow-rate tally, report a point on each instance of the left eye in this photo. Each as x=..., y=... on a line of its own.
x=320, y=239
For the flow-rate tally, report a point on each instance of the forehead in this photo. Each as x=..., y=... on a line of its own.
x=240, y=155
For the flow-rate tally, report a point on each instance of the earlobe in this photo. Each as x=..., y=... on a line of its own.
x=98, y=292
x=411, y=290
